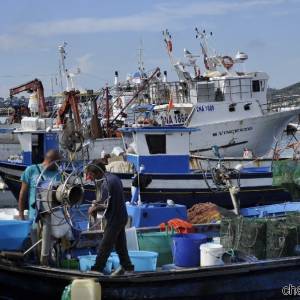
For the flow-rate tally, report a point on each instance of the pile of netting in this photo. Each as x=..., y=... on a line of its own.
x=203, y=213
x=286, y=174
x=263, y=238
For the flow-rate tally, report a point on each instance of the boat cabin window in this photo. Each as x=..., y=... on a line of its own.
x=255, y=86
x=233, y=89
x=37, y=148
x=156, y=143
x=127, y=139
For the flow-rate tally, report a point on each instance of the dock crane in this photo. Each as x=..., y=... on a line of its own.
x=32, y=86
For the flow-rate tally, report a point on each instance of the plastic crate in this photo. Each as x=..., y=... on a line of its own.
x=13, y=234
x=271, y=210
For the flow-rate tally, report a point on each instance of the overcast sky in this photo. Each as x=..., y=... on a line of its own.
x=104, y=36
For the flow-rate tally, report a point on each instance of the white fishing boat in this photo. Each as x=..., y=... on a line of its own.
x=228, y=107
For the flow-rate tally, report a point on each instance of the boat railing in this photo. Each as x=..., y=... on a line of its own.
x=235, y=89
x=203, y=91
x=282, y=103
x=164, y=92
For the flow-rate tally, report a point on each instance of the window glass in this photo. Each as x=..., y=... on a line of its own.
x=156, y=143
x=255, y=86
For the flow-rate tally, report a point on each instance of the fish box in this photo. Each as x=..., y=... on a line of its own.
x=271, y=210
x=13, y=234
x=30, y=123
x=153, y=214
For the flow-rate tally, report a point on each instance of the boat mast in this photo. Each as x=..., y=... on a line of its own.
x=141, y=66
x=62, y=66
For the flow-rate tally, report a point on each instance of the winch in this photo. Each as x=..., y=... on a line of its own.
x=62, y=207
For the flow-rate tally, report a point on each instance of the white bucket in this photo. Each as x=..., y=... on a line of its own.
x=211, y=254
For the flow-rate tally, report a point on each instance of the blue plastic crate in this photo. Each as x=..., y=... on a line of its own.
x=13, y=234
x=153, y=214
x=271, y=210
x=256, y=170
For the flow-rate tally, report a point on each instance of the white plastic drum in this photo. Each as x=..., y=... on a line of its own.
x=211, y=254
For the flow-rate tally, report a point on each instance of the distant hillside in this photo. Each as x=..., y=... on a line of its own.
x=290, y=90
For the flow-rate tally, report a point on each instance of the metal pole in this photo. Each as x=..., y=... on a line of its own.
x=107, y=112
x=142, y=87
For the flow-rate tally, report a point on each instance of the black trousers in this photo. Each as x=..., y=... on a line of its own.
x=114, y=237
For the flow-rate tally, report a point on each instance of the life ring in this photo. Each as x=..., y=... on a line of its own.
x=227, y=62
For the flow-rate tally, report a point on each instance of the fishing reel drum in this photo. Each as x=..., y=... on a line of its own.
x=61, y=203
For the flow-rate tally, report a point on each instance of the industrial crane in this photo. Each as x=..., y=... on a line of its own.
x=32, y=86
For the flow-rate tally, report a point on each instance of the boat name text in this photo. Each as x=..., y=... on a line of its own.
x=232, y=131
x=202, y=108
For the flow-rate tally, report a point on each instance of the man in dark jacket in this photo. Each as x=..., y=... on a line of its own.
x=109, y=195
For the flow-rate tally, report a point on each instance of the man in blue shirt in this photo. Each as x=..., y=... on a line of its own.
x=29, y=180
x=111, y=191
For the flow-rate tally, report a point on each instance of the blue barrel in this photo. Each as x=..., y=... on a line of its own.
x=186, y=249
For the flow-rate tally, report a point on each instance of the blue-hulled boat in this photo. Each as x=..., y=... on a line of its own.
x=245, y=280
x=163, y=154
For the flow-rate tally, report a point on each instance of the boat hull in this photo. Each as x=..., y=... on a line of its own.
x=260, y=280
x=257, y=134
x=187, y=189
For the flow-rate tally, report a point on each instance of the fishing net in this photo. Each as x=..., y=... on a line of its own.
x=286, y=174
x=228, y=232
x=243, y=234
x=283, y=171
x=207, y=212
x=262, y=237
x=251, y=237
x=282, y=237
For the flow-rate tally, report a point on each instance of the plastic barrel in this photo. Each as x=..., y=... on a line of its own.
x=186, y=249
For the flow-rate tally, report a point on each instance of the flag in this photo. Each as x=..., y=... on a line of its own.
x=170, y=104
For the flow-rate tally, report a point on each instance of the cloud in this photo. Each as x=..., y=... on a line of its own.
x=161, y=16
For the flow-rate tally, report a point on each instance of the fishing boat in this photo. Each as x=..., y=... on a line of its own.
x=228, y=105
x=256, y=280
x=163, y=154
x=21, y=277
x=253, y=279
